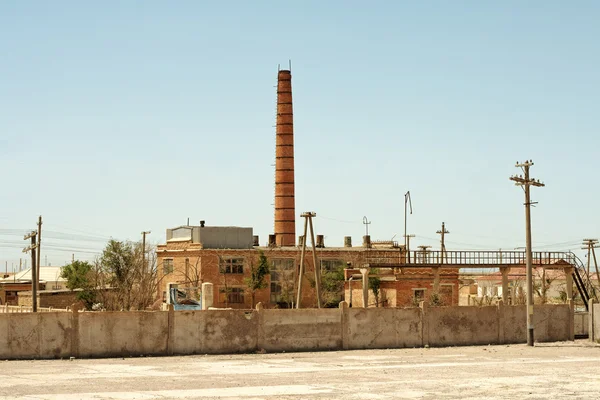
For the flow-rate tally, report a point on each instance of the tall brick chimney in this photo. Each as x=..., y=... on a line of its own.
x=285, y=211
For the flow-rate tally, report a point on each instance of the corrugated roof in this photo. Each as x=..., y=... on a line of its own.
x=47, y=274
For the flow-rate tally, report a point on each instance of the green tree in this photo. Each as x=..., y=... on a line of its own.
x=79, y=276
x=130, y=275
x=375, y=286
x=258, y=274
x=332, y=285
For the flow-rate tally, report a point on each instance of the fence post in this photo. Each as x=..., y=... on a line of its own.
x=344, y=314
x=424, y=325
x=260, y=326
x=500, y=316
x=75, y=332
x=591, y=320
x=571, y=320
x=171, y=326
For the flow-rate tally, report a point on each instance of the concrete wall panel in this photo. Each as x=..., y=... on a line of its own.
x=228, y=331
x=110, y=334
x=188, y=332
x=515, y=324
x=551, y=322
x=29, y=335
x=581, y=323
x=456, y=326
x=377, y=328
x=300, y=330
x=596, y=322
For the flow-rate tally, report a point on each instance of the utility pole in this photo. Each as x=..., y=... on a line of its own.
x=526, y=182
x=443, y=232
x=591, y=244
x=34, y=275
x=39, y=243
x=144, y=249
x=308, y=216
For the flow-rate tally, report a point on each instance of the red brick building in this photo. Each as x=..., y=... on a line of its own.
x=224, y=256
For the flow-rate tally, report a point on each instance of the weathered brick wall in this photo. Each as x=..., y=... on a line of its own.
x=203, y=266
x=54, y=299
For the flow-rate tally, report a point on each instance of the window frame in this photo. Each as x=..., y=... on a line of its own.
x=232, y=265
x=168, y=265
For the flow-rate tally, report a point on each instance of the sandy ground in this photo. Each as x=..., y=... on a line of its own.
x=547, y=371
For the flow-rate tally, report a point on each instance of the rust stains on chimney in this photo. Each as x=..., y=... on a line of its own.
x=285, y=212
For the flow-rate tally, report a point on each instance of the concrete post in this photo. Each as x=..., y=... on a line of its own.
x=345, y=325
x=171, y=329
x=260, y=336
x=424, y=324
x=207, y=295
x=591, y=332
x=500, y=314
x=365, y=285
x=436, y=280
x=505, y=271
x=571, y=320
x=75, y=331
x=569, y=282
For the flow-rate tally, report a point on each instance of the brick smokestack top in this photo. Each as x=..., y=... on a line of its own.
x=285, y=211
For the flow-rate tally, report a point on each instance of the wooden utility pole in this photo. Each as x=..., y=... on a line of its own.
x=443, y=232
x=301, y=271
x=34, y=275
x=39, y=243
x=144, y=267
x=526, y=182
x=590, y=245
x=308, y=216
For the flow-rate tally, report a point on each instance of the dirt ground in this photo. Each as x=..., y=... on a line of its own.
x=546, y=371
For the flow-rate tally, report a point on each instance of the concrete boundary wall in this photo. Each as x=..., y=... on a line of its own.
x=120, y=334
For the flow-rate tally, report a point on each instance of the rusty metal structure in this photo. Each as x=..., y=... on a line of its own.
x=285, y=218
x=478, y=259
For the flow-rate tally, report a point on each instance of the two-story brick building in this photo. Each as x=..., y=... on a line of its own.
x=224, y=256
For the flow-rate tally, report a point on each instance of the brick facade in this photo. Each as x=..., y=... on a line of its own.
x=50, y=298
x=189, y=265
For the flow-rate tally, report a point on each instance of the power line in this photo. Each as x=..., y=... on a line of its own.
x=341, y=220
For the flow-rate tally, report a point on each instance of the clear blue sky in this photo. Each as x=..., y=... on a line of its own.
x=118, y=117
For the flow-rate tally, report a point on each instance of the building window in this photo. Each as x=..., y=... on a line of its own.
x=282, y=280
x=332, y=265
x=232, y=265
x=167, y=266
x=234, y=295
x=419, y=295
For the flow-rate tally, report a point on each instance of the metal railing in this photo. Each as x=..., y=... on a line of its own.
x=476, y=258
x=27, y=309
x=587, y=288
